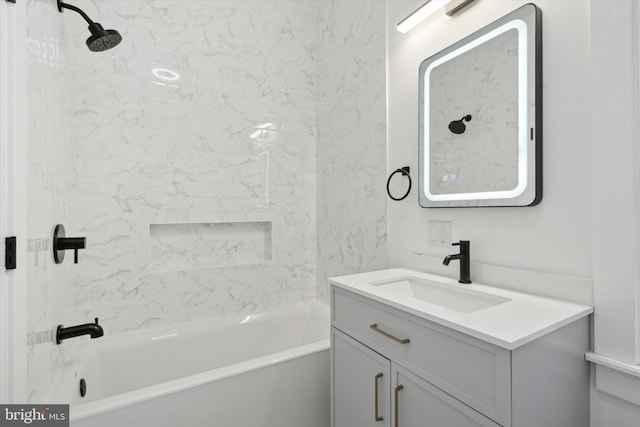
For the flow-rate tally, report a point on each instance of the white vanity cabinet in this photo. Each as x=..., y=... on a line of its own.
x=392, y=368
x=365, y=384
x=361, y=383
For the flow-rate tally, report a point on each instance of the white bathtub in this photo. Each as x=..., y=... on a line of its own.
x=265, y=370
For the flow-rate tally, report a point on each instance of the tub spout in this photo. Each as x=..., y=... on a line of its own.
x=92, y=329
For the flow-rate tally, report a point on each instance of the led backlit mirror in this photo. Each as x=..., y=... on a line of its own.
x=480, y=123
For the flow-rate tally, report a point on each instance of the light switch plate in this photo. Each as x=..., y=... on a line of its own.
x=439, y=234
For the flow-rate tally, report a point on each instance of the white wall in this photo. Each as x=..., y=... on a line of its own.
x=614, y=95
x=611, y=411
x=553, y=236
x=13, y=206
x=581, y=228
x=615, y=101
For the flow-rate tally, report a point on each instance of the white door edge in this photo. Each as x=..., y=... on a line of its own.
x=13, y=211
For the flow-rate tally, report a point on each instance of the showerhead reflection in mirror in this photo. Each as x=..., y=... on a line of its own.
x=457, y=126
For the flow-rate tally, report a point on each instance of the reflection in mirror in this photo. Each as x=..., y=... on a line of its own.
x=479, y=117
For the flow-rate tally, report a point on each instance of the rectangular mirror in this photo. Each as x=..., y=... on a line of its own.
x=480, y=121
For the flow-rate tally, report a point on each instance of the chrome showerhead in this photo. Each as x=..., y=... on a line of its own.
x=100, y=39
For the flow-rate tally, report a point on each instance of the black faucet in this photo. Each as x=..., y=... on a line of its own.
x=465, y=260
x=92, y=329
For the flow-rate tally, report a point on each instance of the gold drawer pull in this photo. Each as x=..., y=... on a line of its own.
x=388, y=335
x=397, y=390
x=378, y=417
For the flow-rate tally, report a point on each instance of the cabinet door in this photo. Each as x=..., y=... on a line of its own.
x=416, y=403
x=360, y=383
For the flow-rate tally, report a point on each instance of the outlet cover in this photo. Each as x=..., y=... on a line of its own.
x=439, y=234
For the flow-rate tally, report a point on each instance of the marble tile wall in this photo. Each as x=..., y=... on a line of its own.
x=206, y=113
x=47, y=188
x=222, y=112
x=351, y=155
x=181, y=247
x=268, y=113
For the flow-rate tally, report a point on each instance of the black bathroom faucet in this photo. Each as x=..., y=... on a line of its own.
x=465, y=260
x=92, y=329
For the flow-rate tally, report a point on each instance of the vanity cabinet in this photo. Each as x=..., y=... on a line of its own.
x=365, y=384
x=361, y=384
x=391, y=368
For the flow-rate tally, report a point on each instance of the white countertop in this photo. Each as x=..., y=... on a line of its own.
x=509, y=325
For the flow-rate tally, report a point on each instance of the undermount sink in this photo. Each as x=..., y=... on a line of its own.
x=453, y=297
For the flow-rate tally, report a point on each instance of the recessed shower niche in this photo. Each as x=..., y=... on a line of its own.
x=191, y=246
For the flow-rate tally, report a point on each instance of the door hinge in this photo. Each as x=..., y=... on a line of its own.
x=10, y=245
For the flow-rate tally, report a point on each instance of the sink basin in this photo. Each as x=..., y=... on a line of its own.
x=452, y=297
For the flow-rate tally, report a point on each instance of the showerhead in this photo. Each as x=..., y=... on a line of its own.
x=100, y=39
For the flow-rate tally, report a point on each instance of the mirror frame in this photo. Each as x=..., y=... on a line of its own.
x=528, y=192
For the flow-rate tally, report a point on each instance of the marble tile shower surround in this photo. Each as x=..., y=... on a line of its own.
x=351, y=156
x=232, y=140
x=115, y=147
x=49, y=157
x=214, y=112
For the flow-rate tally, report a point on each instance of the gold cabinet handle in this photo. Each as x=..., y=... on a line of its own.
x=396, y=391
x=378, y=417
x=388, y=335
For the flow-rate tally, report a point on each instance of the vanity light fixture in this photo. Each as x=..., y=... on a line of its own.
x=429, y=8
x=455, y=5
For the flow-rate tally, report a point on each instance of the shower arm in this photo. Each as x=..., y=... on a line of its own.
x=62, y=5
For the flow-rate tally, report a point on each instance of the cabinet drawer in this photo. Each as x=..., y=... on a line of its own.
x=477, y=373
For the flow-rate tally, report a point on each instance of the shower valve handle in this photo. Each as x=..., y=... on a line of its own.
x=62, y=244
